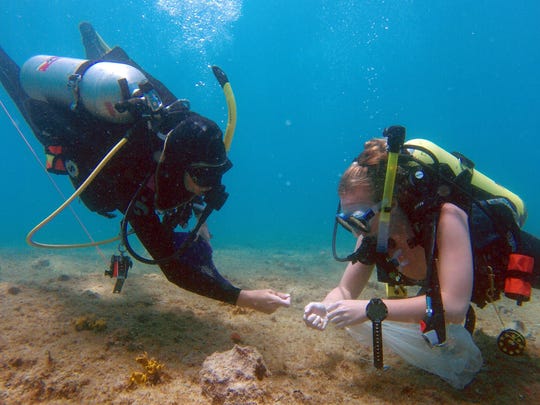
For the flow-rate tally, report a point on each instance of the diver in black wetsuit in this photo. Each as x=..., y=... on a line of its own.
x=173, y=161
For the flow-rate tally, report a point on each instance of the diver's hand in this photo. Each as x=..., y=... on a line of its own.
x=315, y=315
x=266, y=301
x=347, y=312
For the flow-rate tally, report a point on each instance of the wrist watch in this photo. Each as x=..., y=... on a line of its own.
x=376, y=311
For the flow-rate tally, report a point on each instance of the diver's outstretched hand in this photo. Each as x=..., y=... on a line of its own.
x=266, y=301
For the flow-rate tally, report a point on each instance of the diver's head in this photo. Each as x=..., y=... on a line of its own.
x=365, y=176
x=361, y=187
x=192, y=162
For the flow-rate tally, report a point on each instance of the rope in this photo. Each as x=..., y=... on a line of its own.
x=55, y=185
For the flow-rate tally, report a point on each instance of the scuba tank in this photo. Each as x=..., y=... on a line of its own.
x=459, y=166
x=512, y=270
x=98, y=86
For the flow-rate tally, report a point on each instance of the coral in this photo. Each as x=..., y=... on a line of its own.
x=153, y=372
x=89, y=322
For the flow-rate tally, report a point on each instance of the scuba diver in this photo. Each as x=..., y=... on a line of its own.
x=423, y=216
x=128, y=144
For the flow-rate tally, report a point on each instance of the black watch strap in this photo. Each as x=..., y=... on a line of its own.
x=376, y=311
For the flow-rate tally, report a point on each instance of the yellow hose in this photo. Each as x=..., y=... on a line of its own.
x=82, y=187
x=227, y=139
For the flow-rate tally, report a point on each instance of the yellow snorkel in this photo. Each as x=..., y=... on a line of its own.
x=227, y=140
x=231, y=106
x=396, y=138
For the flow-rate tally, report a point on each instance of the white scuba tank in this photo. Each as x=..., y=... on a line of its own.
x=50, y=79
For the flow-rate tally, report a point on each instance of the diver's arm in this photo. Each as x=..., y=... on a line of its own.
x=455, y=271
x=197, y=274
x=194, y=270
x=455, y=262
x=202, y=279
x=266, y=301
x=353, y=281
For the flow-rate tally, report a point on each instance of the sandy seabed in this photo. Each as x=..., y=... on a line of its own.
x=46, y=358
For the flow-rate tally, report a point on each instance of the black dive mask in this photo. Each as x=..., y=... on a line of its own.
x=208, y=175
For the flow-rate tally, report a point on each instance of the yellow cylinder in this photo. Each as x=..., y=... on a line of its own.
x=478, y=180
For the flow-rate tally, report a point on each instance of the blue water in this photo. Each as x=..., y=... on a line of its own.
x=313, y=81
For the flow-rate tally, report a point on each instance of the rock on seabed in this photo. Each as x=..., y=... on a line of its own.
x=234, y=376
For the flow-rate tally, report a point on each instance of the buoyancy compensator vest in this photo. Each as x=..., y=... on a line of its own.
x=496, y=215
x=460, y=171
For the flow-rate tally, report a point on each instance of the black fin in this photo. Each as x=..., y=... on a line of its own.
x=94, y=45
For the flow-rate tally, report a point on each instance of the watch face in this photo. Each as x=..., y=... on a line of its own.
x=376, y=310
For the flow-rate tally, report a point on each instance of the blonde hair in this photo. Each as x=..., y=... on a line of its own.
x=367, y=171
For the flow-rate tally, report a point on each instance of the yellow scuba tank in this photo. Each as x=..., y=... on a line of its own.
x=68, y=81
x=458, y=166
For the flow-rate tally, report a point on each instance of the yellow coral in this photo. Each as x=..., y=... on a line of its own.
x=153, y=371
x=137, y=378
x=100, y=325
x=89, y=322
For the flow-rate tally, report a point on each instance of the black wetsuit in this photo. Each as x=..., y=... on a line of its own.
x=86, y=139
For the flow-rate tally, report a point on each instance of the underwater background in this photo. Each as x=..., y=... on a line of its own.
x=313, y=80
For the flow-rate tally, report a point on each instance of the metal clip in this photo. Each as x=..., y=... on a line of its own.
x=73, y=84
x=118, y=269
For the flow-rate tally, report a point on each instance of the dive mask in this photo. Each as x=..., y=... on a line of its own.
x=207, y=174
x=359, y=221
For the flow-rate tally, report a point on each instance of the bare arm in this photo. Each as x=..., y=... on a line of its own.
x=455, y=262
x=455, y=270
x=352, y=282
